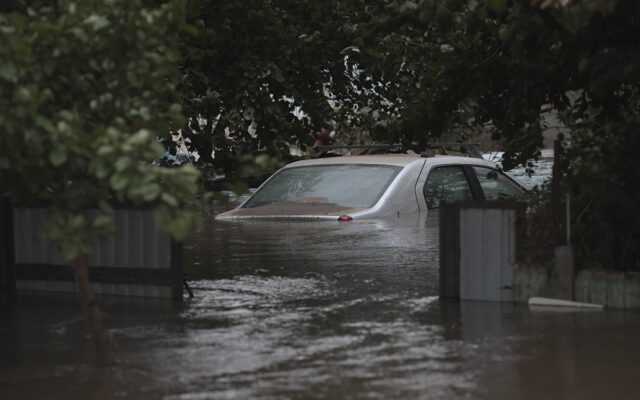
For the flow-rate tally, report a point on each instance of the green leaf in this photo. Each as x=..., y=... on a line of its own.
x=67, y=115
x=178, y=225
x=9, y=72
x=58, y=156
x=139, y=138
x=97, y=22
x=407, y=7
x=239, y=187
x=105, y=207
x=77, y=221
x=123, y=163
x=103, y=222
x=98, y=122
x=101, y=170
x=169, y=199
x=118, y=182
x=80, y=34
x=498, y=6
x=150, y=191
x=105, y=150
x=23, y=95
x=44, y=123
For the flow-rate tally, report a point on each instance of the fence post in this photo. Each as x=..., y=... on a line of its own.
x=449, y=251
x=177, y=271
x=563, y=252
x=7, y=262
x=478, y=250
x=557, y=209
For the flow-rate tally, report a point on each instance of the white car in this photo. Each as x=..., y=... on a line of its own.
x=373, y=186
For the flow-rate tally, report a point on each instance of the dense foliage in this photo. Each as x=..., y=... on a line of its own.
x=596, y=86
x=266, y=75
x=86, y=87
x=92, y=84
x=412, y=71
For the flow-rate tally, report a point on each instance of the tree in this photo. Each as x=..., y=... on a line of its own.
x=580, y=58
x=91, y=88
x=263, y=75
x=412, y=71
x=402, y=71
x=86, y=89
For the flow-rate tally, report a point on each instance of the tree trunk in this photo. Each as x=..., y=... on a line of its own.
x=90, y=312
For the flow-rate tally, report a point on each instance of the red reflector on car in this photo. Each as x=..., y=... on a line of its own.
x=344, y=218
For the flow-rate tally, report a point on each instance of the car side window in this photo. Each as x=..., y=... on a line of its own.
x=495, y=185
x=446, y=184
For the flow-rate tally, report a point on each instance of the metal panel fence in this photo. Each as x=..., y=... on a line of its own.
x=138, y=260
x=487, y=243
x=478, y=250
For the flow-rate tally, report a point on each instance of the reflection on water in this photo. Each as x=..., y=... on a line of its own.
x=320, y=310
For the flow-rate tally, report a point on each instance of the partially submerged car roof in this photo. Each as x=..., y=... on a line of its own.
x=399, y=190
x=399, y=160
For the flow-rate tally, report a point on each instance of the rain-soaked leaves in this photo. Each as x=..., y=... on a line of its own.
x=58, y=156
x=8, y=71
x=91, y=88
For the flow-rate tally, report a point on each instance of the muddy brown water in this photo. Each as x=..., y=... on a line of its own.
x=319, y=310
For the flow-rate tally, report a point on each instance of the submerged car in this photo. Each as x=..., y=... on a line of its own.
x=373, y=186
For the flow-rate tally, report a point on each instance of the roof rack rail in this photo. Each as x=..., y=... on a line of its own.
x=360, y=146
x=468, y=149
x=325, y=150
x=428, y=150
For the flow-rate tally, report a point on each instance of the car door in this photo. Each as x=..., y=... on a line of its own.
x=450, y=183
x=495, y=185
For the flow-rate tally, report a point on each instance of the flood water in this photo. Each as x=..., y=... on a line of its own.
x=319, y=310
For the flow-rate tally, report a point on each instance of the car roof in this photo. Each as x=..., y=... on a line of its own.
x=400, y=160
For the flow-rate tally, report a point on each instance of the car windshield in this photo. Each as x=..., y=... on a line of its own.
x=347, y=186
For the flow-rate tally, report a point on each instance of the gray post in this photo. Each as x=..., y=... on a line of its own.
x=478, y=250
x=449, y=251
x=565, y=270
x=177, y=271
x=7, y=262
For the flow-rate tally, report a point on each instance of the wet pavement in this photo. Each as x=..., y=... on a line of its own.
x=319, y=310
